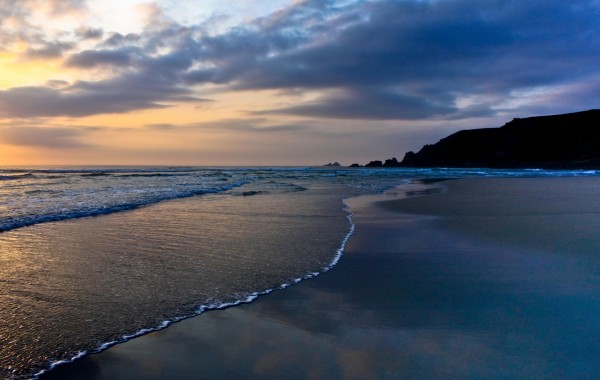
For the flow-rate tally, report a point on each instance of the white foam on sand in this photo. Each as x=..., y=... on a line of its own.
x=213, y=306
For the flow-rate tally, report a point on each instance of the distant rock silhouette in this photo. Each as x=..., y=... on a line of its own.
x=374, y=164
x=355, y=166
x=389, y=163
x=567, y=141
x=334, y=164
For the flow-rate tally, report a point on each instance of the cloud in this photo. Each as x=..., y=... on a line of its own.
x=368, y=103
x=57, y=83
x=94, y=58
x=407, y=51
x=121, y=94
x=42, y=101
x=161, y=126
x=251, y=125
x=86, y=33
x=118, y=40
x=379, y=59
x=45, y=137
x=48, y=50
x=16, y=24
x=58, y=7
x=153, y=83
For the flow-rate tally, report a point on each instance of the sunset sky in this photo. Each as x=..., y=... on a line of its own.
x=280, y=82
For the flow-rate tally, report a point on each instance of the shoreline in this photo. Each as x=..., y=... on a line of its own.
x=415, y=295
x=406, y=191
x=43, y=374
x=104, y=280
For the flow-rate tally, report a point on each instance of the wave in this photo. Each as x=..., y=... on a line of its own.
x=214, y=305
x=150, y=175
x=16, y=176
x=133, y=175
x=100, y=209
x=41, y=191
x=285, y=186
x=96, y=174
x=252, y=192
x=107, y=169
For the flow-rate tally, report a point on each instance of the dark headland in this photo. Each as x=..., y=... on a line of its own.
x=567, y=141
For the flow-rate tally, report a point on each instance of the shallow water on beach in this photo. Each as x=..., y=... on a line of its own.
x=207, y=238
x=74, y=286
x=412, y=298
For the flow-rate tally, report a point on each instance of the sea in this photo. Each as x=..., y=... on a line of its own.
x=94, y=256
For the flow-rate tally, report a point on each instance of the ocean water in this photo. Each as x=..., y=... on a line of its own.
x=93, y=256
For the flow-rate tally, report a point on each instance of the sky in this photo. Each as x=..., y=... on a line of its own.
x=280, y=82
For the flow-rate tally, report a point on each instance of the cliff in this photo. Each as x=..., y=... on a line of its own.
x=565, y=141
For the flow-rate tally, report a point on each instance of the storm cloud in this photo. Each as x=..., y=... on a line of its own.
x=380, y=60
x=369, y=103
x=417, y=59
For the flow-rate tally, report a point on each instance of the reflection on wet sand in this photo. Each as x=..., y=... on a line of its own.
x=411, y=298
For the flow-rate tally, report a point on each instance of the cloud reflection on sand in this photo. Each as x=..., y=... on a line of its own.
x=411, y=298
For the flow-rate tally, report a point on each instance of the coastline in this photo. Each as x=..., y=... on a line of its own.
x=81, y=285
x=426, y=288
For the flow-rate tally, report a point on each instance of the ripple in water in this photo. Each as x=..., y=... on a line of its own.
x=74, y=286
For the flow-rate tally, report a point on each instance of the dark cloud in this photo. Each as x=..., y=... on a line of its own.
x=441, y=44
x=48, y=50
x=93, y=58
x=410, y=50
x=86, y=33
x=368, y=103
x=119, y=40
x=82, y=99
x=153, y=83
x=380, y=59
x=151, y=80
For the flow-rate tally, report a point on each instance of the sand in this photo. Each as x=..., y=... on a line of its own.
x=485, y=278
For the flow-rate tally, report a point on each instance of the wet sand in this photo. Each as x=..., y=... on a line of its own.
x=481, y=278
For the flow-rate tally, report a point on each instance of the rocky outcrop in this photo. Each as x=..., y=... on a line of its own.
x=568, y=141
x=389, y=163
x=374, y=164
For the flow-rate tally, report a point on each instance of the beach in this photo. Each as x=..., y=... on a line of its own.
x=472, y=278
x=299, y=189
